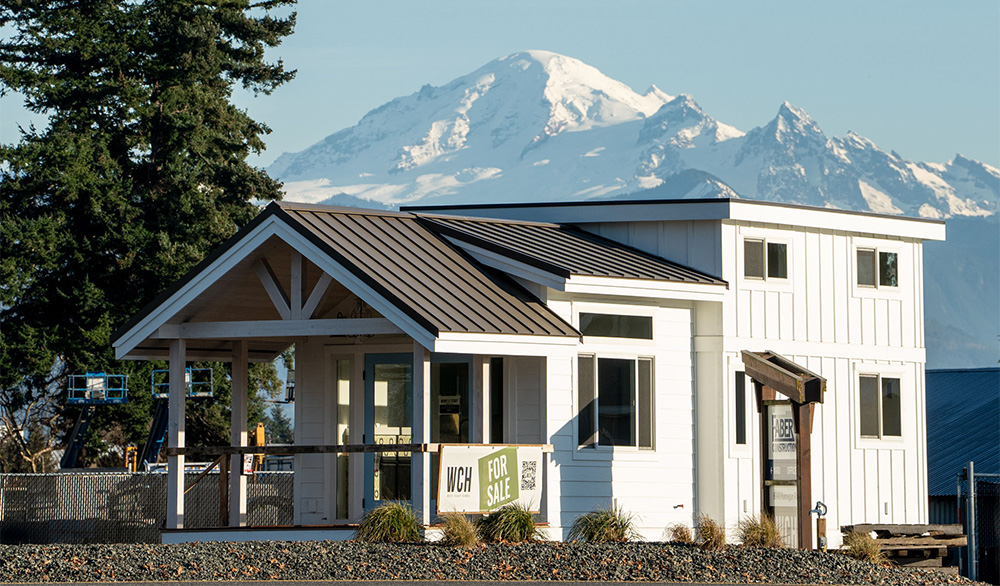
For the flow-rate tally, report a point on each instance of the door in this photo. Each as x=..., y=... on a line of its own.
x=388, y=420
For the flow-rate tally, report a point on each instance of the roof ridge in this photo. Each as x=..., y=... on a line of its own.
x=317, y=207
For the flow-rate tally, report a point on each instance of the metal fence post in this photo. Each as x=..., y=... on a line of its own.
x=971, y=516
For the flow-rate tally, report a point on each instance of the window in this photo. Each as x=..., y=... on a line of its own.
x=617, y=326
x=740, y=413
x=764, y=260
x=616, y=401
x=877, y=268
x=880, y=406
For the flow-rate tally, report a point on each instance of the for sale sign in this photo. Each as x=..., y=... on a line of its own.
x=481, y=479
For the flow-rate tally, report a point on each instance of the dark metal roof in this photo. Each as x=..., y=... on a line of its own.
x=434, y=283
x=563, y=250
x=963, y=424
x=431, y=281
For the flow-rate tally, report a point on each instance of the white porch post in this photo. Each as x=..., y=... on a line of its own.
x=177, y=394
x=420, y=478
x=480, y=395
x=238, y=435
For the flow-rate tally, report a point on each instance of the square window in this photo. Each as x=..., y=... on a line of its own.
x=880, y=406
x=762, y=258
x=615, y=402
x=877, y=268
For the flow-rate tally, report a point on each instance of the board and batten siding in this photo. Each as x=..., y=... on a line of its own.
x=656, y=485
x=820, y=318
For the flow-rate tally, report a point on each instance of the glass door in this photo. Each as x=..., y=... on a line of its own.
x=388, y=420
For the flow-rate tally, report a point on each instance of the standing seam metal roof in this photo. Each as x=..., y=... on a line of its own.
x=963, y=424
x=564, y=250
x=433, y=282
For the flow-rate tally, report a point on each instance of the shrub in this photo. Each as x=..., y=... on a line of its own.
x=680, y=533
x=459, y=531
x=392, y=522
x=711, y=535
x=610, y=524
x=862, y=546
x=513, y=522
x=760, y=532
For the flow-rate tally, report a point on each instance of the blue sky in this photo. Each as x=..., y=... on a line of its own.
x=921, y=78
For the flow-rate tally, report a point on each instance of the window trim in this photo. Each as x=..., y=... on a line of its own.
x=880, y=411
x=878, y=291
x=765, y=240
x=597, y=446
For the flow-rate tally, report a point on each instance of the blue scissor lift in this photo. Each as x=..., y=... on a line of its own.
x=88, y=391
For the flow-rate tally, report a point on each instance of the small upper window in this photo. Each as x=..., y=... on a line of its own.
x=764, y=260
x=877, y=268
x=617, y=326
x=880, y=406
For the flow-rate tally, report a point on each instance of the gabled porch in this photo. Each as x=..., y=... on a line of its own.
x=400, y=339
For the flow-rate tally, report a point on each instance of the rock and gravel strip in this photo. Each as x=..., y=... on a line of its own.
x=351, y=560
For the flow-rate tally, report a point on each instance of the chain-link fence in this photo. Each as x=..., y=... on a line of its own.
x=981, y=559
x=125, y=507
x=988, y=527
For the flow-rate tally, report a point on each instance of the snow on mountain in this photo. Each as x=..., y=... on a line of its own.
x=538, y=126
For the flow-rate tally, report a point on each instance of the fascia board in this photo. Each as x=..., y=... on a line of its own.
x=610, y=286
x=272, y=226
x=511, y=267
x=839, y=220
x=502, y=344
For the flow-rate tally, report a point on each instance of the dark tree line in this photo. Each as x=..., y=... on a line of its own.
x=139, y=171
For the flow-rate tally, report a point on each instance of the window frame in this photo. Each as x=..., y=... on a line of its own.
x=880, y=407
x=766, y=242
x=594, y=417
x=878, y=246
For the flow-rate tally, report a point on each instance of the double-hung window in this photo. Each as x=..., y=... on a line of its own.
x=880, y=406
x=764, y=260
x=615, y=401
x=877, y=268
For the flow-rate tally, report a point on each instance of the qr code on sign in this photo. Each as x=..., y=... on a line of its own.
x=529, y=469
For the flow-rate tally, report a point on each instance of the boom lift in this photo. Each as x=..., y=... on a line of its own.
x=90, y=390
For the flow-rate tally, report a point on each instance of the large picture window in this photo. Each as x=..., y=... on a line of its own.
x=616, y=401
x=877, y=268
x=764, y=260
x=880, y=406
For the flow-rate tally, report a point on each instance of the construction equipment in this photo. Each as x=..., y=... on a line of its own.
x=90, y=390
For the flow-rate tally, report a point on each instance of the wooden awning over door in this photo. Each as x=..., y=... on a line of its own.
x=784, y=376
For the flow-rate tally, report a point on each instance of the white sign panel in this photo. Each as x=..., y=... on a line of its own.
x=480, y=479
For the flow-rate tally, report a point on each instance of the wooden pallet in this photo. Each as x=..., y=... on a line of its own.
x=916, y=547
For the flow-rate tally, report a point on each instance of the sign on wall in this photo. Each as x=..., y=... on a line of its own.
x=481, y=479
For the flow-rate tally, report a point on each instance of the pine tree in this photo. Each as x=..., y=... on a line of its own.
x=140, y=171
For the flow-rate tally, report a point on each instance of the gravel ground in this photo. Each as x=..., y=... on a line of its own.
x=351, y=560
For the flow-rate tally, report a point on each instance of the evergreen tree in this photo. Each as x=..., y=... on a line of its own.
x=278, y=426
x=140, y=171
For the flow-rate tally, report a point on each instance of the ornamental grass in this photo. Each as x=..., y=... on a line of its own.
x=512, y=523
x=760, y=531
x=605, y=525
x=392, y=522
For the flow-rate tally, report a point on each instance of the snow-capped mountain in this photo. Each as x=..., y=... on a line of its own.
x=537, y=125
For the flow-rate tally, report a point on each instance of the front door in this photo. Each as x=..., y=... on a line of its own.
x=388, y=420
